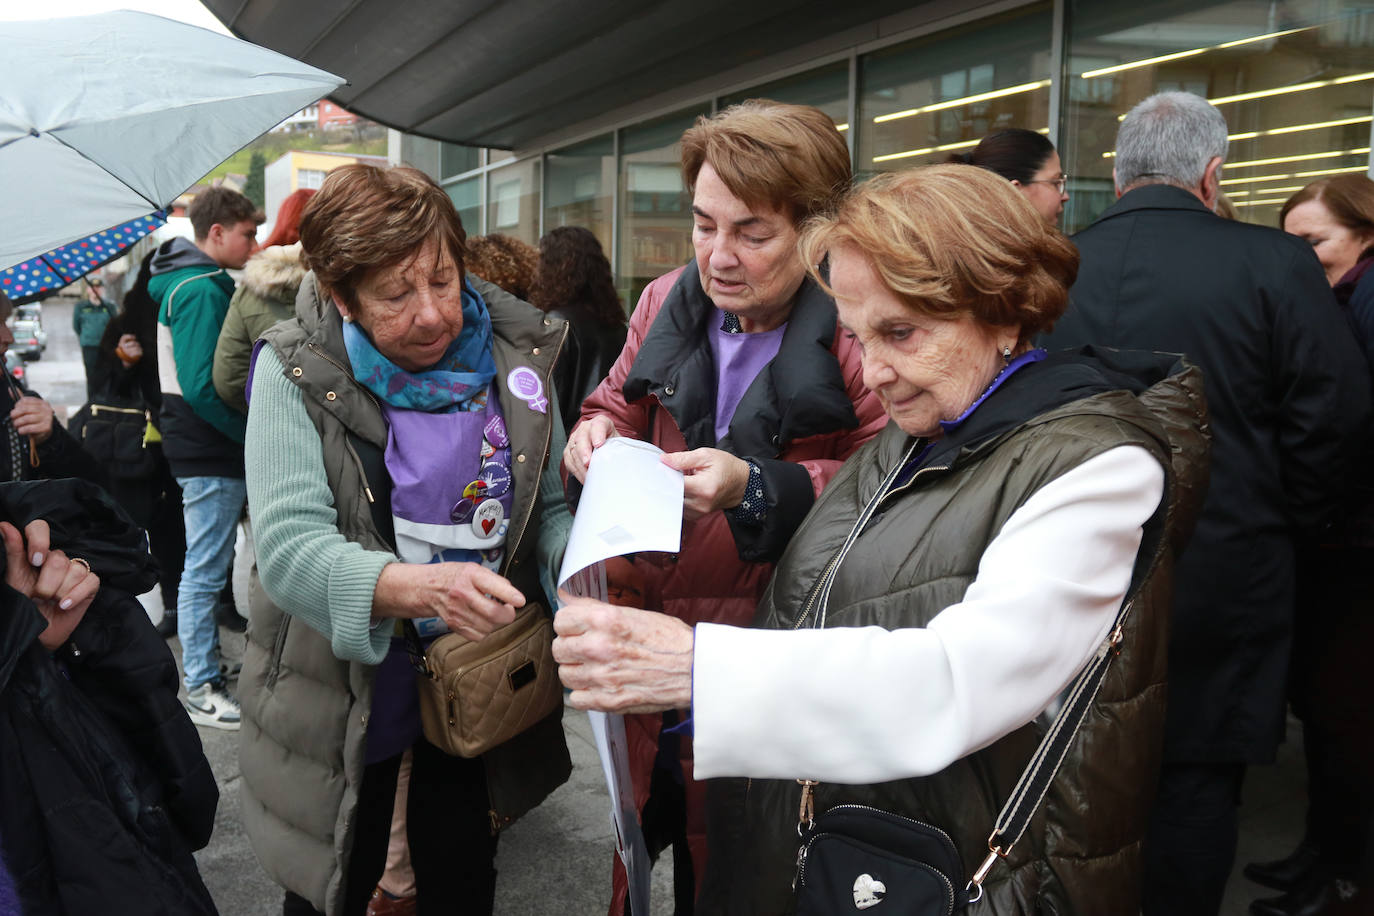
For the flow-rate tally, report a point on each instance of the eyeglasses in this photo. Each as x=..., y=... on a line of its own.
x=1059, y=183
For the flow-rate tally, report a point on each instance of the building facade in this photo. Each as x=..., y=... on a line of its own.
x=1295, y=79
x=297, y=169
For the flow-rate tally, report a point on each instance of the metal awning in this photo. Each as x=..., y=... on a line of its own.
x=499, y=73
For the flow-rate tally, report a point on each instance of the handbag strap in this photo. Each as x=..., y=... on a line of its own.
x=1035, y=780
x=1039, y=773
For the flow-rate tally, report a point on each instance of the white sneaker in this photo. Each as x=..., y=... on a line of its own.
x=213, y=706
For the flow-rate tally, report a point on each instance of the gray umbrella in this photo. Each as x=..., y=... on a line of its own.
x=106, y=118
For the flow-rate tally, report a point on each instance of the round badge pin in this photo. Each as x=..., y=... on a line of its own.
x=475, y=490
x=495, y=430
x=526, y=385
x=496, y=477
x=461, y=511
x=488, y=518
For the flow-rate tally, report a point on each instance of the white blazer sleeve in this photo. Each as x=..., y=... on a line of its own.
x=864, y=705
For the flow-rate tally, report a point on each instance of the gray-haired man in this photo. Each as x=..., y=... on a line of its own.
x=1287, y=390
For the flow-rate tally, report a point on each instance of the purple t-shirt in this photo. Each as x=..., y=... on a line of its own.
x=740, y=356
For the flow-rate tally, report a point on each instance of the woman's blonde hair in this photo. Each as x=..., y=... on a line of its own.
x=788, y=157
x=950, y=242
x=364, y=217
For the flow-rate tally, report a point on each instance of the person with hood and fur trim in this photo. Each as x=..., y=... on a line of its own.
x=266, y=295
x=955, y=576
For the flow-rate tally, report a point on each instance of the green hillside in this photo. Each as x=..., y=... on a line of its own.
x=368, y=140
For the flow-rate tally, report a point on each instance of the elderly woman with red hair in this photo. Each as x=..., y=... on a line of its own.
x=953, y=578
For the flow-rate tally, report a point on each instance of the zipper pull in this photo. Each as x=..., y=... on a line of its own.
x=806, y=811
x=801, y=866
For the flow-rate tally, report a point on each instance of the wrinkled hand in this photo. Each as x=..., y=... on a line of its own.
x=60, y=588
x=471, y=599
x=620, y=659
x=129, y=349
x=712, y=480
x=32, y=417
x=587, y=436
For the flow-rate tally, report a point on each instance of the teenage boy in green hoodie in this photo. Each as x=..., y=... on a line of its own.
x=202, y=437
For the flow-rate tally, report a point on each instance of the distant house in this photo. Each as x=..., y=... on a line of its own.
x=297, y=169
x=306, y=118
x=331, y=115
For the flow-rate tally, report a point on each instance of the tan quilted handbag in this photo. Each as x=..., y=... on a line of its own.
x=477, y=695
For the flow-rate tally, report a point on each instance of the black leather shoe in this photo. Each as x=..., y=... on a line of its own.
x=227, y=616
x=167, y=626
x=1287, y=873
x=1312, y=899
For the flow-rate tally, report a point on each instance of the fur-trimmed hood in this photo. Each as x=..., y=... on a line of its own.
x=275, y=273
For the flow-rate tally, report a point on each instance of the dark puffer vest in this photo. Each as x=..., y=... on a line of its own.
x=917, y=556
x=305, y=711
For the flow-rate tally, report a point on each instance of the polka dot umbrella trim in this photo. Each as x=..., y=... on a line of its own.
x=44, y=275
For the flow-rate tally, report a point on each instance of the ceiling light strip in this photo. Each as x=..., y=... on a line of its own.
x=1165, y=58
x=1300, y=87
x=966, y=100
x=1255, y=179
x=1249, y=163
x=907, y=154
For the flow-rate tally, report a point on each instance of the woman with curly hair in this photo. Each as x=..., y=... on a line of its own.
x=574, y=283
x=504, y=260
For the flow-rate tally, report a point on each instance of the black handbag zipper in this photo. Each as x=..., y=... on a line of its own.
x=902, y=817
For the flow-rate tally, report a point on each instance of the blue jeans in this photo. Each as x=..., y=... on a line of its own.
x=212, y=506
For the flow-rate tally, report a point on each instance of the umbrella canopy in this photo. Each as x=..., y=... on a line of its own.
x=104, y=118
x=49, y=272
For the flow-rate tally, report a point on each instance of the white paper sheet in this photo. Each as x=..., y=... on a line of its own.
x=630, y=501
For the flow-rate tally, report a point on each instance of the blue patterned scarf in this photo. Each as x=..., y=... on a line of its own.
x=458, y=381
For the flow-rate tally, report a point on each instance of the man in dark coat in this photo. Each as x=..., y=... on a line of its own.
x=1289, y=395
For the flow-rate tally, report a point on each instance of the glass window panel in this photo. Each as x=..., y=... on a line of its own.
x=580, y=188
x=455, y=159
x=924, y=99
x=655, y=209
x=827, y=88
x=1294, y=79
x=467, y=198
x=513, y=201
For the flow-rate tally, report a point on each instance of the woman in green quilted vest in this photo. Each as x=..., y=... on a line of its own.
x=397, y=455
x=950, y=582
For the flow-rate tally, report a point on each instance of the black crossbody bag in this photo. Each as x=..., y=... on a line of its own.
x=853, y=857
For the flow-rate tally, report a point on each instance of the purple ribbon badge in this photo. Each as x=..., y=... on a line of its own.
x=526, y=385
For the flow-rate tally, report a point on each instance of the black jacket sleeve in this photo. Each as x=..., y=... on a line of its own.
x=788, y=491
x=1323, y=384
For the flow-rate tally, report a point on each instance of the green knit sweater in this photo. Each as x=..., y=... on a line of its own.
x=316, y=574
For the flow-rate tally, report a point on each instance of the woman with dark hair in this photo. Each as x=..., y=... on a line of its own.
x=1334, y=628
x=1029, y=161
x=574, y=283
